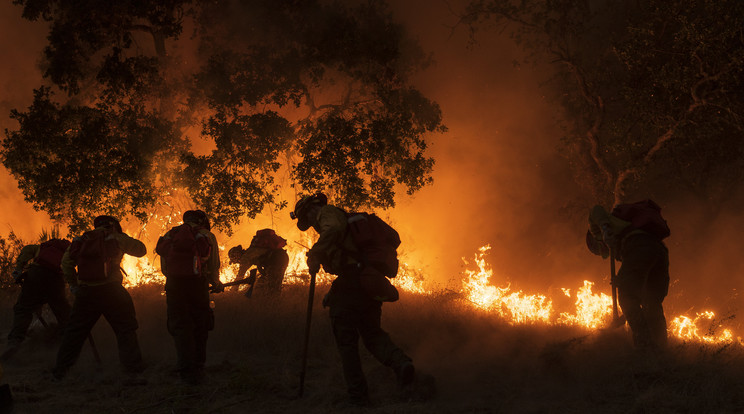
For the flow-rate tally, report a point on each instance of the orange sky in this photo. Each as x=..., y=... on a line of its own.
x=21, y=43
x=498, y=179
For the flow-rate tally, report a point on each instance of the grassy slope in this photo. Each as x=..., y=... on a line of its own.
x=480, y=364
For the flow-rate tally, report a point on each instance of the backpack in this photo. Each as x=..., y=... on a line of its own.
x=51, y=252
x=183, y=250
x=376, y=240
x=267, y=238
x=643, y=215
x=93, y=254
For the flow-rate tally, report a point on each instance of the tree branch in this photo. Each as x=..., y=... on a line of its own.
x=596, y=102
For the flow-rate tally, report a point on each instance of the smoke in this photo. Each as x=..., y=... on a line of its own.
x=705, y=264
x=498, y=178
x=21, y=42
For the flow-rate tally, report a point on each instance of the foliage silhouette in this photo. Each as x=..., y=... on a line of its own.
x=318, y=92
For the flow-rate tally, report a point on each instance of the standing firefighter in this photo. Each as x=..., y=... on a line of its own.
x=38, y=272
x=267, y=253
x=634, y=233
x=356, y=295
x=92, y=267
x=190, y=261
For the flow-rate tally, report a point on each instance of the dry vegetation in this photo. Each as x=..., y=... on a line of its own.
x=480, y=364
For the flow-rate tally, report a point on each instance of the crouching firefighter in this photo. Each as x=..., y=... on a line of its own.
x=356, y=295
x=633, y=234
x=267, y=253
x=40, y=276
x=92, y=267
x=190, y=261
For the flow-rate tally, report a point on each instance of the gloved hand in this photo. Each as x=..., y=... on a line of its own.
x=75, y=289
x=313, y=264
x=217, y=287
x=326, y=300
x=18, y=276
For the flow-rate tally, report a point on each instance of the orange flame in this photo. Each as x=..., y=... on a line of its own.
x=689, y=329
x=592, y=310
x=516, y=307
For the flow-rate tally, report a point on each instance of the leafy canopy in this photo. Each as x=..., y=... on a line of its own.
x=223, y=99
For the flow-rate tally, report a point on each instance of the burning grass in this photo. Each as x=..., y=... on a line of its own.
x=491, y=348
x=482, y=363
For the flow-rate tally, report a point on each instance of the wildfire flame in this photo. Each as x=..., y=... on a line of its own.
x=591, y=310
x=688, y=329
x=515, y=307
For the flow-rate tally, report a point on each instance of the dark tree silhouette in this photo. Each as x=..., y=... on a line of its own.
x=317, y=91
x=652, y=91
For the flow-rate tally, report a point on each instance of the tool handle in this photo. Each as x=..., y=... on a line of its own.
x=615, y=313
x=311, y=295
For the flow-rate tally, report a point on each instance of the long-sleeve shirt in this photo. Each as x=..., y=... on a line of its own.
x=613, y=230
x=28, y=253
x=127, y=245
x=251, y=256
x=334, y=247
x=211, y=269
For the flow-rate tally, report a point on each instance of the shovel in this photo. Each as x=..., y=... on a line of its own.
x=617, y=319
x=307, y=332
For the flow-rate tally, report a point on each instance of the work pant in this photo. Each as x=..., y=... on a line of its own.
x=642, y=284
x=113, y=302
x=189, y=320
x=354, y=314
x=273, y=267
x=40, y=286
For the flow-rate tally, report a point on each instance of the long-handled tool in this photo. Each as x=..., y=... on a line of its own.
x=96, y=355
x=94, y=348
x=307, y=331
x=617, y=319
x=238, y=282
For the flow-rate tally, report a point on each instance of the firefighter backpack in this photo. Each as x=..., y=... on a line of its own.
x=644, y=215
x=376, y=240
x=183, y=250
x=93, y=253
x=267, y=238
x=51, y=252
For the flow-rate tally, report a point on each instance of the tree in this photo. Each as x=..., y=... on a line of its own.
x=318, y=90
x=652, y=92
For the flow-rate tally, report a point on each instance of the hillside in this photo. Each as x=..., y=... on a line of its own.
x=480, y=364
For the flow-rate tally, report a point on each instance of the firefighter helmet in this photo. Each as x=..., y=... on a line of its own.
x=303, y=206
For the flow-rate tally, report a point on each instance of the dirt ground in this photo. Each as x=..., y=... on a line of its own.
x=467, y=362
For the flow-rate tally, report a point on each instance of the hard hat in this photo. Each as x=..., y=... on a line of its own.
x=104, y=221
x=235, y=253
x=302, y=206
x=197, y=217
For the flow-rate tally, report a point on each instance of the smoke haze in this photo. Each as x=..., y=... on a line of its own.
x=499, y=179
x=21, y=44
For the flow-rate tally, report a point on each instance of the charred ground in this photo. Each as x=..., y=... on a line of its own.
x=480, y=363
